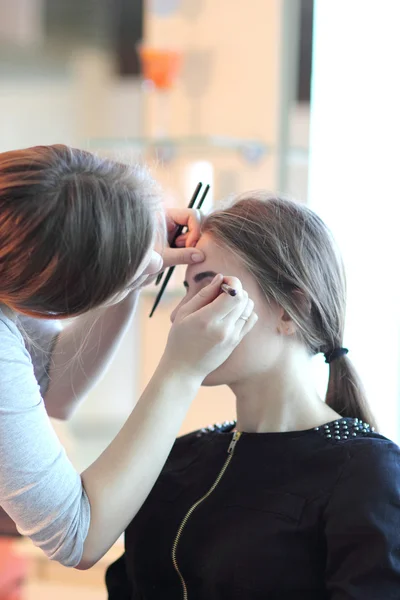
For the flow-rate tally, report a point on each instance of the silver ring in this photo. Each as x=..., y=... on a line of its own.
x=244, y=318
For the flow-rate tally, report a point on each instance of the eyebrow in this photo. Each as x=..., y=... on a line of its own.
x=200, y=276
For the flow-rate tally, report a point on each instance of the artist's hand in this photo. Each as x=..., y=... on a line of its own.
x=207, y=328
x=185, y=253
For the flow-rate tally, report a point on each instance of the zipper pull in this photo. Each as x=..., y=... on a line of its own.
x=234, y=441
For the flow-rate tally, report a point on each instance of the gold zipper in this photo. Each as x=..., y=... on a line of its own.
x=191, y=510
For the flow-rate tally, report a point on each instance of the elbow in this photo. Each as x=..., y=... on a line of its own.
x=88, y=560
x=85, y=565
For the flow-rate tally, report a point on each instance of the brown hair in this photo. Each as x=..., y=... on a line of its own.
x=74, y=229
x=288, y=248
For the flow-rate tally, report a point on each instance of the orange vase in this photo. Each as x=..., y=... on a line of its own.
x=160, y=66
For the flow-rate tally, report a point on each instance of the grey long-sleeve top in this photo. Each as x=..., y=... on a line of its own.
x=39, y=488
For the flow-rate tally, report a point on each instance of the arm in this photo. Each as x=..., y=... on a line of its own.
x=82, y=352
x=363, y=525
x=75, y=519
x=137, y=454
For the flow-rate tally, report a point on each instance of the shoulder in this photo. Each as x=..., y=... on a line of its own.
x=18, y=385
x=40, y=337
x=361, y=449
x=12, y=345
x=188, y=446
x=362, y=521
x=373, y=460
x=204, y=432
x=369, y=479
x=9, y=331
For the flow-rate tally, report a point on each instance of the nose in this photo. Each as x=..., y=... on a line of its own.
x=173, y=314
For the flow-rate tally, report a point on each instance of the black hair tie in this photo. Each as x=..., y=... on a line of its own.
x=334, y=354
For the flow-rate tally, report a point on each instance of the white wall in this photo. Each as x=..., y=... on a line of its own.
x=87, y=102
x=355, y=130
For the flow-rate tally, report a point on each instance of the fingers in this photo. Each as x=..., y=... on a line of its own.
x=240, y=312
x=180, y=242
x=244, y=317
x=181, y=256
x=190, y=218
x=206, y=296
x=247, y=312
x=194, y=228
x=224, y=304
x=248, y=325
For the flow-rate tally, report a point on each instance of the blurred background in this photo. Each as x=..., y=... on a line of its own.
x=296, y=96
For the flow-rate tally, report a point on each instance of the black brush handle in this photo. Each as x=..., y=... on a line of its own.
x=171, y=269
x=161, y=292
x=179, y=229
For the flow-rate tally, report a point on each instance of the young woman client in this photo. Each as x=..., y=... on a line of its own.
x=299, y=498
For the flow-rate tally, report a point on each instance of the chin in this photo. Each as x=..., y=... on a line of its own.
x=220, y=376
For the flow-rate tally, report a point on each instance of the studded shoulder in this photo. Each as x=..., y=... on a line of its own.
x=344, y=429
x=224, y=427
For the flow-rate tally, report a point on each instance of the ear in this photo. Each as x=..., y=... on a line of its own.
x=286, y=324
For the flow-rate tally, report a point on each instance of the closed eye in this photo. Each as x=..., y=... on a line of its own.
x=200, y=277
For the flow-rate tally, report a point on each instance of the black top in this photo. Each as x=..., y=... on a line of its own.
x=307, y=515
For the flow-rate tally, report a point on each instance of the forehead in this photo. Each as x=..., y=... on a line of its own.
x=217, y=258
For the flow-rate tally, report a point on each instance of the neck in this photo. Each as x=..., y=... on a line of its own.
x=281, y=399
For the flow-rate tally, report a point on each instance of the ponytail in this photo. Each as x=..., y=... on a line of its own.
x=345, y=393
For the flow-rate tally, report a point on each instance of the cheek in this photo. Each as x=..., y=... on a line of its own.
x=255, y=354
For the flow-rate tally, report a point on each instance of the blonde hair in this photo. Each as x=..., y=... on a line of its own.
x=74, y=229
x=291, y=253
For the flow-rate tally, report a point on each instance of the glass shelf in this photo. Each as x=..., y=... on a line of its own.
x=168, y=148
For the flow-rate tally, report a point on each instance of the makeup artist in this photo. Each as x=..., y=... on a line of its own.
x=79, y=236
